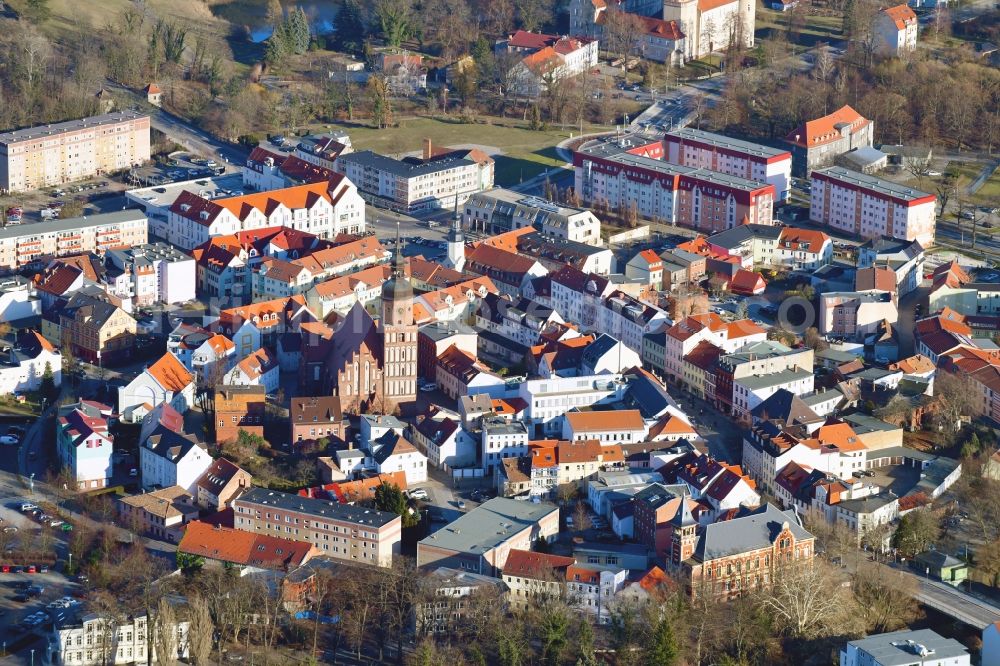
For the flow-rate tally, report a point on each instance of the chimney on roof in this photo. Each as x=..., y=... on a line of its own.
x=428, y=148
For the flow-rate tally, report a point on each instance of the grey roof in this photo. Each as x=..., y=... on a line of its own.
x=647, y=395
x=614, y=149
x=383, y=421
x=406, y=168
x=893, y=246
x=863, y=424
x=901, y=648
x=149, y=253
x=875, y=374
x=906, y=151
x=774, y=378
x=71, y=223
x=751, y=532
x=787, y=406
x=383, y=447
x=168, y=444
x=68, y=126
x=598, y=348
x=497, y=425
x=939, y=559
x=837, y=355
x=866, y=505
x=619, y=479
x=878, y=185
x=489, y=525
x=864, y=156
x=722, y=141
x=316, y=507
x=737, y=235
x=446, y=577
x=441, y=330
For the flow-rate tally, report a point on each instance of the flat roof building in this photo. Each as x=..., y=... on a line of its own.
x=921, y=647
x=480, y=540
x=23, y=244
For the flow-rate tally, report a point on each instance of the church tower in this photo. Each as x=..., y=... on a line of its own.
x=399, y=336
x=683, y=535
x=456, y=242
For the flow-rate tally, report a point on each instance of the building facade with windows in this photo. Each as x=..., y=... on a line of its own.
x=23, y=244
x=64, y=152
x=871, y=207
x=340, y=531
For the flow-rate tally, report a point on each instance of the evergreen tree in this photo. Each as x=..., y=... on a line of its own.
x=390, y=498
x=662, y=648
x=298, y=30
x=350, y=31
x=48, y=385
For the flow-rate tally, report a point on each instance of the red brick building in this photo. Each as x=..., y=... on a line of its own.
x=238, y=408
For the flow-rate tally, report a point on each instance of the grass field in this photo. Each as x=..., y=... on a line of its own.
x=816, y=28
x=968, y=172
x=525, y=153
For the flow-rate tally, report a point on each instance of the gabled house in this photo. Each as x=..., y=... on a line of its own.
x=167, y=456
x=259, y=368
x=167, y=380
x=220, y=483
x=84, y=444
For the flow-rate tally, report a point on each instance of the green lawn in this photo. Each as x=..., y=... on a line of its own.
x=968, y=172
x=524, y=153
x=816, y=28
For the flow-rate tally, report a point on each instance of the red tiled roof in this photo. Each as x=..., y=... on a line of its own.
x=620, y=420
x=662, y=29
x=900, y=15
x=522, y=39
x=244, y=548
x=527, y=563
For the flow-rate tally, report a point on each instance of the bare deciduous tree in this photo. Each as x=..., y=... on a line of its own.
x=805, y=598
x=200, y=630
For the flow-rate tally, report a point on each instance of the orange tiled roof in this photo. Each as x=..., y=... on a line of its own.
x=915, y=364
x=900, y=15
x=824, y=130
x=170, y=373
x=809, y=240
x=620, y=420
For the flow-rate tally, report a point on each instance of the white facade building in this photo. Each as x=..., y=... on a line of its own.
x=751, y=391
x=499, y=210
x=897, y=28
x=324, y=209
x=717, y=152
x=92, y=640
x=502, y=439
x=22, y=366
x=156, y=273
x=871, y=207
x=22, y=244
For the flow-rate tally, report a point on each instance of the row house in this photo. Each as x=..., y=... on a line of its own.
x=455, y=303
x=681, y=338
x=550, y=400
x=276, y=278
x=749, y=392
x=834, y=448
x=459, y=373
x=316, y=417
x=339, y=294
x=93, y=326
x=765, y=357
x=577, y=296
x=871, y=207
x=855, y=314
x=522, y=321
x=607, y=427
x=718, y=486
x=630, y=173
x=629, y=319
x=501, y=439
x=325, y=209
x=509, y=271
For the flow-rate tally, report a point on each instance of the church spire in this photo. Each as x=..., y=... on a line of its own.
x=398, y=259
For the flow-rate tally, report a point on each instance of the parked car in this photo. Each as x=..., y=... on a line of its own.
x=429, y=387
x=9, y=440
x=418, y=493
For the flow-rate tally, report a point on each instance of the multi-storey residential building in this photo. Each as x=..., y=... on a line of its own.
x=84, y=443
x=550, y=399
x=448, y=601
x=730, y=558
x=897, y=29
x=759, y=358
x=685, y=335
x=480, y=540
x=833, y=449
x=61, y=153
x=510, y=272
x=340, y=531
x=339, y=294
x=855, y=314
x=871, y=207
x=96, y=329
x=161, y=513
x=776, y=247
x=628, y=319
x=167, y=380
x=818, y=143
x=157, y=273
x=629, y=173
x=578, y=296
x=414, y=184
x=717, y=152
x=323, y=149
x=751, y=391
x=323, y=208
x=92, y=639
x=239, y=408
x=23, y=244
x=547, y=59
x=499, y=210
x=522, y=321
x=167, y=456
x=502, y=439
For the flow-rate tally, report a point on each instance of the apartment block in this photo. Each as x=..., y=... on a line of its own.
x=631, y=173
x=22, y=244
x=717, y=152
x=817, y=143
x=435, y=180
x=871, y=207
x=323, y=208
x=64, y=152
x=156, y=273
x=338, y=530
x=499, y=210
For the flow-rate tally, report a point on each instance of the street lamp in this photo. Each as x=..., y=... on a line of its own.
x=31, y=483
x=32, y=656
